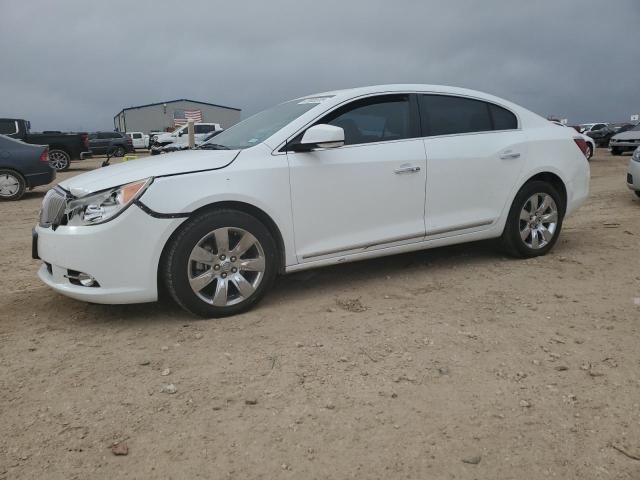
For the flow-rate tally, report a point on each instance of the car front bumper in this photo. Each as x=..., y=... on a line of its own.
x=121, y=255
x=633, y=175
x=627, y=145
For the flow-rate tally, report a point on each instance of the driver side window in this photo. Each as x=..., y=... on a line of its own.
x=376, y=119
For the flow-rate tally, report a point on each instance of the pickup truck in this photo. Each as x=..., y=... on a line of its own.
x=139, y=139
x=63, y=147
x=179, y=135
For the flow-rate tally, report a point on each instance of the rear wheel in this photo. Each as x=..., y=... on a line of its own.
x=59, y=160
x=118, y=151
x=616, y=151
x=534, y=221
x=12, y=185
x=221, y=263
x=589, y=152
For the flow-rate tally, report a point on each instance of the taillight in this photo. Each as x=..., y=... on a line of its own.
x=85, y=140
x=582, y=145
x=44, y=156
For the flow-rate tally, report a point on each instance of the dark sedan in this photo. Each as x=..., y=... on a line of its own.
x=22, y=166
x=602, y=136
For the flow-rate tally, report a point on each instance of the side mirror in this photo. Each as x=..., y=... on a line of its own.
x=320, y=136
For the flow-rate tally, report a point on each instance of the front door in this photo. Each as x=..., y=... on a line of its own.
x=367, y=194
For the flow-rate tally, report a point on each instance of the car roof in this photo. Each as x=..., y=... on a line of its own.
x=402, y=87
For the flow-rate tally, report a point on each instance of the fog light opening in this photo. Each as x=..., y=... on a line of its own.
x=82, y=279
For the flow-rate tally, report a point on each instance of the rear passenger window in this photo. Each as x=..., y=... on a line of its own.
x=447, y=115
x=503, y=119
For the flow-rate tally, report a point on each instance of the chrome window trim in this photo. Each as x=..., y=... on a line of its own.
x=276, y=151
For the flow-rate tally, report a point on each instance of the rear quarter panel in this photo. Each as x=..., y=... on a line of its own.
x=552, y=149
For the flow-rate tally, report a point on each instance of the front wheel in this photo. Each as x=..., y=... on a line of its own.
x=59, y=160
x=616, y=151
x=221, y=263
x=534, y=221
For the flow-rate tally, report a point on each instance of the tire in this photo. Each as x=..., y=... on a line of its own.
x=515, y=239
x=12, y=185
x=59, y=160
x=589, y=153
x=616, y=151
x=119, y=151
x=637, y=192
x=219, y=267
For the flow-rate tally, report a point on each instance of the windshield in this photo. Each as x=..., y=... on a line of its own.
x=261, y=126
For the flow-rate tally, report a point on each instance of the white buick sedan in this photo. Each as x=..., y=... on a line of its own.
x=330, y=178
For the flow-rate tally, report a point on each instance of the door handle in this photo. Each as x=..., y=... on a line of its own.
x=509, y=155
x=406, y=169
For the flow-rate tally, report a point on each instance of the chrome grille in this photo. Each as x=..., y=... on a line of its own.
x=53, y=207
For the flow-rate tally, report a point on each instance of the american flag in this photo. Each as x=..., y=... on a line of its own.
x=181, y=117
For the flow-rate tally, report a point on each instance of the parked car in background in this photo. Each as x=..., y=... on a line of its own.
x=325, y=179
x=602, y=136
x=116, y=143
x=175, y=147
x=591, y=145
x=139, y=140
x=633, y=172
x=180, y=134
x=63, y=147
x=22, y=166
x=588, y=127
x=621, y=127
x=625, y=141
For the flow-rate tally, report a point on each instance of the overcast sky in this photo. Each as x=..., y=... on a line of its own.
x=75, y=64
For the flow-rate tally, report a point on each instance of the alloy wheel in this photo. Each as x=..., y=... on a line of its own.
x=58, y=160
x=538, y=220
x=226, y=266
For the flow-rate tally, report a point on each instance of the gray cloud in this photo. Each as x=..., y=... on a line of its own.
x=75, y=64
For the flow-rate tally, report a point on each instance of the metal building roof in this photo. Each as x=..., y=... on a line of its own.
x=174, y=101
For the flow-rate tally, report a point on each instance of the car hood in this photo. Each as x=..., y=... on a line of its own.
x=628, y=135
x=175, y=163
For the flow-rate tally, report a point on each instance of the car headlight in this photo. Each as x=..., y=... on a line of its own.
x=103, y=206
x=636, y=155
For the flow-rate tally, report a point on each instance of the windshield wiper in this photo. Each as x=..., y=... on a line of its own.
x=212, y=146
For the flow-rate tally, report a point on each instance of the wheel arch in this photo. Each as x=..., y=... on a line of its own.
x=247, y=208
x=554, y=180
x=55, y=146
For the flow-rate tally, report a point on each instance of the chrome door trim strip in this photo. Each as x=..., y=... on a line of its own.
x=362, y=246
x=463, y=226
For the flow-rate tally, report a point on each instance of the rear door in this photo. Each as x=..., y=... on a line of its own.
x=98, y=142
x=475, y=153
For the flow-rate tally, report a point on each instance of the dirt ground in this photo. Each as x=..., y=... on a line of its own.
x=449, y=363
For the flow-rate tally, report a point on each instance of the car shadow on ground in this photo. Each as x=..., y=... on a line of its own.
x=333, y=278
x=358, y=274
